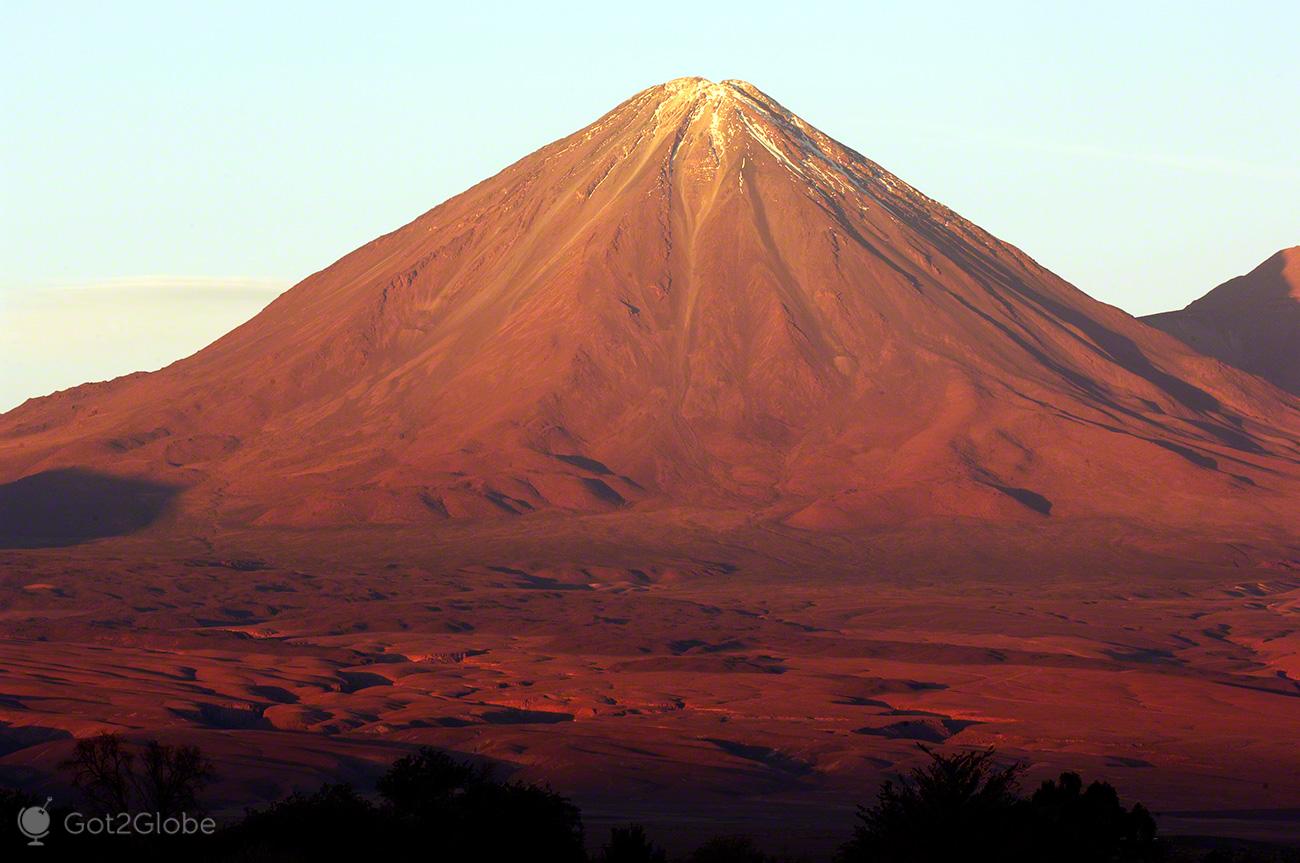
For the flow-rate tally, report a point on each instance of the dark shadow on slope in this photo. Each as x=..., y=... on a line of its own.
x=69, y=506
x=1112, y=345
x=1025, y=497
x=1249, y=322
x=518, y=716
x=1235, y=439
x=585, y=463
x=924, y=729
x=1096, y=336
x=1196, y=458
x=770, y=758
x=538, y=582
x=15, y=737
x=603, y=491
x=223, y=716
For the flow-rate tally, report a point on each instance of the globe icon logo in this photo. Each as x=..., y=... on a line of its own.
x=34, y=822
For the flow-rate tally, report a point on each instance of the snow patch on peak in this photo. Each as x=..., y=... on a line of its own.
x=700, y=88
x=685, y=87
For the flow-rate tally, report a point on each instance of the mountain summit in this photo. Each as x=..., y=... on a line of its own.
x=1252, y=321
x=699, y=300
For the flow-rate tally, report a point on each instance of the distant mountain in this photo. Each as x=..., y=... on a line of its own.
x=698, y=301
x=1252, y=321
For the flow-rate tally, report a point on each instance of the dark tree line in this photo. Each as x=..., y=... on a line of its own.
x=954, y=808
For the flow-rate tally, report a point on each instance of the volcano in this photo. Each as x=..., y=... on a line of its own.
x=1252, y=321
x=695, y=466
x=697, y=301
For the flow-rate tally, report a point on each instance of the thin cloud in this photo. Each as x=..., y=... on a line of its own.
x=172, y=284
x=59, y=334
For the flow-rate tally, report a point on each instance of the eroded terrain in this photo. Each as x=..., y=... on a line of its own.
x=708, y=677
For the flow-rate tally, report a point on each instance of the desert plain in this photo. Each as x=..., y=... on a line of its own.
x=701, y=677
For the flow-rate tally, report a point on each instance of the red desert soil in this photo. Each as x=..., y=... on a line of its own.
x=1252, y=321
x=694, y=464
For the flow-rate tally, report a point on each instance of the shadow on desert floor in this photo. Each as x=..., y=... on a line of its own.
x=69, y=506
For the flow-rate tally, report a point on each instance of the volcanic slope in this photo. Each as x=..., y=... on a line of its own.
x=698, y=300
x=1252, y=321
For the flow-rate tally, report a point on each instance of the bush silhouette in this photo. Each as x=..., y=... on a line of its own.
x=729, y=849
x=432, y=807
x=956, y=807
x=333, y=823
x=630, y=845
x=476, y=816
x=965, y=807
x=424, y=784
x=1074, y=824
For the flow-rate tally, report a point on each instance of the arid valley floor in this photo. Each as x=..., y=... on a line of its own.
x=716, y=675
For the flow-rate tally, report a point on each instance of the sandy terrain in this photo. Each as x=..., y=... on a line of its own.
x=715, y=680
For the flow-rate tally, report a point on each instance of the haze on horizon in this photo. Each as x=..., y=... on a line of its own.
x=240, y=149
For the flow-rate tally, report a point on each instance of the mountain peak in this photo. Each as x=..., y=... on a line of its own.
x=706, y=123
x=689, y=95
x=700, y=299
x=1277, y=278
x=1251, y=321
x=1289, y=258
x=685, y=82
x=694, y=90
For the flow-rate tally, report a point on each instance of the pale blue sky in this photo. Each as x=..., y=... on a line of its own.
x=166, y=167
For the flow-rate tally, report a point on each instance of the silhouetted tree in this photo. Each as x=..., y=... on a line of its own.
x=102, y=769
x=630, y=845
x=1075, y=825
x=965, y=807
x=425, y=783
x=956, y=807
x=433, y=808
x=334, y=823
x=729, y=849
x=171, y=778
x=474, y=816
x=522, y=821
x=168, y=779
